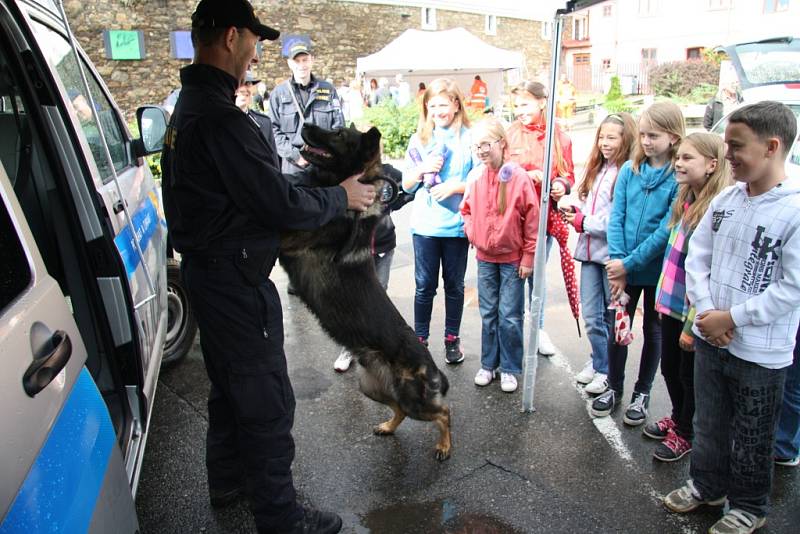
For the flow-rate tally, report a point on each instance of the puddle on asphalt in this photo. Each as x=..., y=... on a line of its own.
x=436, y=517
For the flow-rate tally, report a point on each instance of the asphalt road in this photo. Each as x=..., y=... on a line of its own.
x=555, y=470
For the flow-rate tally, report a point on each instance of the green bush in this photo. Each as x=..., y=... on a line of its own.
x=395, y=124
x=679, y=78
x=614, y=101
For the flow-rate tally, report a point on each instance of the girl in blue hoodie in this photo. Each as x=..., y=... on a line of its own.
x=637, y=238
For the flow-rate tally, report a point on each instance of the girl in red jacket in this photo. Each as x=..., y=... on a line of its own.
x=526, y=140
x=501, y=218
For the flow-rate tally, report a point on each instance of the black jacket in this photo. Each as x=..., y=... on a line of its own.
x=221, y=187
x=385, y=237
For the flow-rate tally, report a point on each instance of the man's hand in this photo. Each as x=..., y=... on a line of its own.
x=716, y=325
x=557, y=190
x=359, y=196
x=301, y=162
x=525, y=272
x=615, y=269
x=617, y=287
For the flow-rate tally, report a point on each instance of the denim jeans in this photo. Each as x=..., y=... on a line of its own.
x=787, y=438
x=548, y=244
x=677, y=368
x=501, y=298
x=429, y=253
x=736, y=412
x=651, y=348
x=383, y=267
x=599, y=320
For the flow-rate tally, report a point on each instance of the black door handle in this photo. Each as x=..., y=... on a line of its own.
x=45, y=368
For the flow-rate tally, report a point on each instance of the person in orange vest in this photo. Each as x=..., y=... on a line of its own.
x=478, y=94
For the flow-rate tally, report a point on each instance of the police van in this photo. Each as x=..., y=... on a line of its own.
x=83, y=284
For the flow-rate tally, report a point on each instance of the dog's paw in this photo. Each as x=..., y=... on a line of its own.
x=382, y=429
x=442, y=453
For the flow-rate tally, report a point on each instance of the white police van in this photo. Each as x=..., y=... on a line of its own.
x=83, y=284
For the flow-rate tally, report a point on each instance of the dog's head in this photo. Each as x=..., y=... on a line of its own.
x=343, y=152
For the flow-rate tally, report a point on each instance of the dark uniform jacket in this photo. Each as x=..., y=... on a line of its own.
x=264, y=125
x=222, y=190
x=322, y=108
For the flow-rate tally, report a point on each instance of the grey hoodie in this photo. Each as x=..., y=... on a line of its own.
x=745, y=257
x=592, y=241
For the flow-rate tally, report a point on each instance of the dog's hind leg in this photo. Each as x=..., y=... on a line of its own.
x=388, y=427
x=444, y=445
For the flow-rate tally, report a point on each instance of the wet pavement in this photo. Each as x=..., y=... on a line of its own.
x=555, y=470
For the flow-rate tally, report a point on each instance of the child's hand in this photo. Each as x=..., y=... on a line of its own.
x=617, y=287
x=536, y=176
x=525, y=272
x=615, y=269
x=568, y=216
x=686, y=342
x=433, y=163
x=724, y=340
x=557, y=191
x=715, y=325
x=443, y=190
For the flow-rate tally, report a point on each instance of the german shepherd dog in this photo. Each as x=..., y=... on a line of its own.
x=332, y=271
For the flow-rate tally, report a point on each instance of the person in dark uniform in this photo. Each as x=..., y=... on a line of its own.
x=225, y=203
x=244, y=101
x=302, y=99
x=256, y=100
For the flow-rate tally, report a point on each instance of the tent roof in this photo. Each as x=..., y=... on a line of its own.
x=421, y=52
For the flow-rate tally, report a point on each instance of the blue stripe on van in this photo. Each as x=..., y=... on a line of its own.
x=145, y=221
x=61, y=489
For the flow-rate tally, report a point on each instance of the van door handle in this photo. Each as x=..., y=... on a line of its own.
x=45, y=368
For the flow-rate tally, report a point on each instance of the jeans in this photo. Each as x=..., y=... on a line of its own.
x=787, y=437
x=651, y=349
x=429, y=253
x=548, y=244
x=383, y=267
x=677, y=368
x=736, y=412
x=501, y=298
x=599, y=320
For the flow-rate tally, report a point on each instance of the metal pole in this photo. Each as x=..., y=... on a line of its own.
x=530, y=361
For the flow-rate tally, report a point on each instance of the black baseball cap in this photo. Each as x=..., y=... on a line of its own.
x=227, y=13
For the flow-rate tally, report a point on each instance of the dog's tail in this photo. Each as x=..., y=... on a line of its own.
x=444, y=384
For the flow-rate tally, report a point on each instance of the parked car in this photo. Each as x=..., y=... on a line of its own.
x=83, y=283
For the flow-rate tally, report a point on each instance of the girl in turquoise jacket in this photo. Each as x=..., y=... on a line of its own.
x=637, y=238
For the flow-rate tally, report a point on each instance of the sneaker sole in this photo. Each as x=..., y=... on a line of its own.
x=674, y=459
x=582, y=380
x=715, y=502
x=454, y=362
x=595, y=391
x=633, y=422
x=792, y=462
x=653, y=436
x=603, y=413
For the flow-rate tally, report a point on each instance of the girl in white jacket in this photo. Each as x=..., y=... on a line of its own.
x=613, y=142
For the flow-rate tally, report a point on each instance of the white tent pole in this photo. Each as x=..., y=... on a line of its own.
x=530, y=361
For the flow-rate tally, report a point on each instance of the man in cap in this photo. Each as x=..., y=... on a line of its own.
x=251, y=82
x=245, y=95
x=302, y=99
x=225, y=204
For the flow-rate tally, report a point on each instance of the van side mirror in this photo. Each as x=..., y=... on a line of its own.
x=152, y=122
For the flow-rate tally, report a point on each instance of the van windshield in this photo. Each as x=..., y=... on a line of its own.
x=770, y=62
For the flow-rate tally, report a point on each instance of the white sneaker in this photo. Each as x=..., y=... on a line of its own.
x=598, y=385
x=343, y=362
x=586, y=374
x=546, y=347
x=484, y=377
x=508, y=382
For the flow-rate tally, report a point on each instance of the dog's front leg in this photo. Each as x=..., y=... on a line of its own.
x=443, y=446
x=387, y=428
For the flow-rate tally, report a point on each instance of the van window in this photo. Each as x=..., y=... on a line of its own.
x=60, y=56
x=15, y=273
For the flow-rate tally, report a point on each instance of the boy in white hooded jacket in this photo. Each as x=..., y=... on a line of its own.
x=743, y=276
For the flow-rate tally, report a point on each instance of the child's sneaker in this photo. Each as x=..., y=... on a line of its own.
x=423, y=340
x=484, y=377
x=598, y=384
x=508, y=382
x=452, y=349
x=687, y=498
x=343, y=362
x=672, y=448
x=788, y=462
x=737, y=522
x=636, y=414
x=586, y=374
x=659, y=429
x=605, y=403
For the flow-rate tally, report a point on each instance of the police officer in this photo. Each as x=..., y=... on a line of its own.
x=225, y=205
x=299, y=100
x=244, y=101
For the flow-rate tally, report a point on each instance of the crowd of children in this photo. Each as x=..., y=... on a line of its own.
x=659, y=219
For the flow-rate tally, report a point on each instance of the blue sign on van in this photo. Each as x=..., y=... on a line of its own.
x=145, y=221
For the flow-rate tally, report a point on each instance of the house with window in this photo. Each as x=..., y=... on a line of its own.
x=627, y=37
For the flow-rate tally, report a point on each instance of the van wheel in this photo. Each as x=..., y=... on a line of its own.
x=181, y=324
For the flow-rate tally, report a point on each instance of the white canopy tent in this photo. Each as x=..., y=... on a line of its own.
x=421, y=56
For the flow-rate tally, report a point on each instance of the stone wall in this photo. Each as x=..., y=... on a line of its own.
x=340, y=31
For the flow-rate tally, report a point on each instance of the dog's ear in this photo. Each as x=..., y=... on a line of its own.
x=371, y=140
